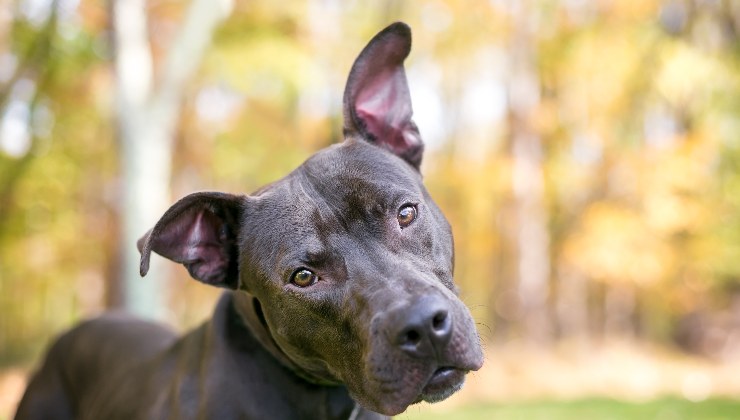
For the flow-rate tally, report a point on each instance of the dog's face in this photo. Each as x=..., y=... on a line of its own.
x=346, y=224
x=349, y=257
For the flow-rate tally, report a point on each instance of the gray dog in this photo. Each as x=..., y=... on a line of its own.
x=342, y=303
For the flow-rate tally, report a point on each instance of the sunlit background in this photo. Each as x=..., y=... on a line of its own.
x=586, y=153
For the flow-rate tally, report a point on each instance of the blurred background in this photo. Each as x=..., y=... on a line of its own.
x=586, y=153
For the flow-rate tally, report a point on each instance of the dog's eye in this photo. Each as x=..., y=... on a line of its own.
x=304, y=278
x=406, y=215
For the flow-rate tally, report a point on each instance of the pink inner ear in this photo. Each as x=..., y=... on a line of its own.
x=204, y=253
x=383, y=104
x=194, y=239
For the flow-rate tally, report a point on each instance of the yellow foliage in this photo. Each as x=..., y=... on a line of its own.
x=613, y=244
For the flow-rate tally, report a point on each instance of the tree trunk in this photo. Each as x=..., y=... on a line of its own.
x=572, y=305
x=147, y=119
x=532, y=235
x=619, y=311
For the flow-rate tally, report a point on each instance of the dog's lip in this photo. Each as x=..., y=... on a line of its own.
x=442, y=381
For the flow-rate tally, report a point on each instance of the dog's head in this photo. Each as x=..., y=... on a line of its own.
x=348, y=255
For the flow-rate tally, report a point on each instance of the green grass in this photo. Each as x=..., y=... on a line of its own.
x=587, y=409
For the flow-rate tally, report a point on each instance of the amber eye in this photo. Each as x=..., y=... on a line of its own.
x=304, y=278
x=406, y=215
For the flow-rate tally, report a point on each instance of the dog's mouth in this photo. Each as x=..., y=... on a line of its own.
x=441, y=384
x=444, y=382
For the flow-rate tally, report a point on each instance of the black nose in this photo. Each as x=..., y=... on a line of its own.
x=421, y=329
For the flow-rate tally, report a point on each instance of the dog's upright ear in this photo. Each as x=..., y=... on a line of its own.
x=201, y=232
x=377, y=103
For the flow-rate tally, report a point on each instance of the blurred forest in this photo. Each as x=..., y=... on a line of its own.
x=586, y=153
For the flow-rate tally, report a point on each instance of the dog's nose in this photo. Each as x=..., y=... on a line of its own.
x=421, y=329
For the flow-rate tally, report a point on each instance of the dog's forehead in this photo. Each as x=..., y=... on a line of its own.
x=356, y=166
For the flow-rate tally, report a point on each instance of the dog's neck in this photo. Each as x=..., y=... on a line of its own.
x=250, y=311
x=237, y=328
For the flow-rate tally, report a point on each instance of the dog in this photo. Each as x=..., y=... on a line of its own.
x=340, y=299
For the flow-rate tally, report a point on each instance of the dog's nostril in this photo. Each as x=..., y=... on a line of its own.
x=439, y=320
x=412, y=337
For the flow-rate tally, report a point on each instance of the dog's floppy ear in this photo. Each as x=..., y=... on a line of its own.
x=377, y=104
x=200, y=232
